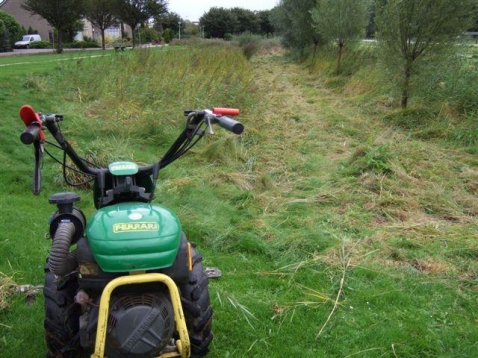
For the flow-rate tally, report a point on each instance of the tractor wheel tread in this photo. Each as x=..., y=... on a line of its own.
x=61, y=318
x=197, y=308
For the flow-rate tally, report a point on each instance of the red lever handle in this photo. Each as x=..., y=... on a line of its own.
x=225, y=111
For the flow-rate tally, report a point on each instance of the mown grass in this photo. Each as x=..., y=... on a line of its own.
x=337, y=231
x=21, y=65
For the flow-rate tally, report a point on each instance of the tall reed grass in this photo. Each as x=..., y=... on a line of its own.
x=144, y=92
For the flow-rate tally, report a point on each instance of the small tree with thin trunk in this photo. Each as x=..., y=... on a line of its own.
x=340, y=21
x=136, y=12
x=101, y=14
x=412, y=31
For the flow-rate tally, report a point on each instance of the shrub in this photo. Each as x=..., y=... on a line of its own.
x=168, y=35
x=374, y=159
x=4, y=38
x=249, y=50
x=40, y=44
x=84, y=44
x=14, y=29
x=148, y=35
x=249, y=43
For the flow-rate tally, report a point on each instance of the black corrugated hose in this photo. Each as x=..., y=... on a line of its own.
x=61, y=260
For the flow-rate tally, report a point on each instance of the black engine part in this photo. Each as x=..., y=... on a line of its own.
x=139, y=325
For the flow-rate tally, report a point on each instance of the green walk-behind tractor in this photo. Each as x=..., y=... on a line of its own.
x=126, y=282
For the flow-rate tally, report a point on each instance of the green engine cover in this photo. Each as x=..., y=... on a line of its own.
x=134, y=237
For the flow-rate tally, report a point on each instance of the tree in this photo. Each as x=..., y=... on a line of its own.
x=340, y=21
x=265, y=23
x=168, y=20
x=218, y=22
x=101, y=13
x=4, y=38
x=60, y=14
x=135, y=12
x=293, y=21
x=474, y=25
x=190, y=28
x=246, y=21
x=411, y=31
x=31, y=30
x=70, y=31
x=167, y=35
x=13, y=30
x=148, y=35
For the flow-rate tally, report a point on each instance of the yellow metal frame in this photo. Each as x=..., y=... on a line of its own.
x=183, y=345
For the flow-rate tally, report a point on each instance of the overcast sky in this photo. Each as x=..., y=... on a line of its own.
x=192, y=10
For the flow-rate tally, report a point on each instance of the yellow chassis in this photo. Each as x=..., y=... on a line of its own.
x=182, y=344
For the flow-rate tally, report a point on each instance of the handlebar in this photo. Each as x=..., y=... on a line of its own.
x=30, y=134
x=228, y=123
x=191, y=134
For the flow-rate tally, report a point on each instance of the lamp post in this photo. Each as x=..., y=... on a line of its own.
x=179, y=23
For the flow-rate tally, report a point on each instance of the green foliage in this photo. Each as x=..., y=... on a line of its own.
x=373, y=159
x=168, y=35
x=411, y=31
x=4, y=38
x=31, y=30
x=340, y=22
x=265, y=23
x=450, y=81
x=249, y=43
x=218, y=22
x=249, y=50
x=148, y=35
x=169, y=20
x=223, y=23
x=40, y=44
x=136, y=12
x=101, y=14
x=292, y=20
x=84, y=44
x=247, y=21
x=12, y=28
x=189, y=29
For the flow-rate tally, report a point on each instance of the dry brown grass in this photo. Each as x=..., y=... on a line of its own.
x=7, y=289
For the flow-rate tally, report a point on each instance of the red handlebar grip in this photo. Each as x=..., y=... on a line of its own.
x=225, y=111
x=29, y=116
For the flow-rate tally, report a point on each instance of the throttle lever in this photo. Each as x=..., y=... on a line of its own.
x=209, y=124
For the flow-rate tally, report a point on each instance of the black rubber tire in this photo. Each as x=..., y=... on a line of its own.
x=197, y=308
x=61, y=318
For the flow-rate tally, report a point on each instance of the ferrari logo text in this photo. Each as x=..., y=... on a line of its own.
x=140, y=226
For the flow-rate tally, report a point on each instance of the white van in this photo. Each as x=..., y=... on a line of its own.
x=27, y=40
